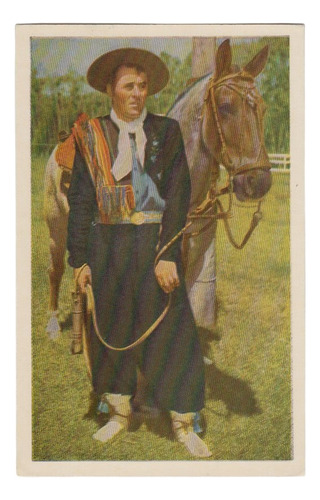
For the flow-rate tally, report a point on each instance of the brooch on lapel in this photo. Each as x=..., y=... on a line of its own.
x=154, y=150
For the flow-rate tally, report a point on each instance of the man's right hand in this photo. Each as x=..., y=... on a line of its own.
x=167, y=275
x=82, y=275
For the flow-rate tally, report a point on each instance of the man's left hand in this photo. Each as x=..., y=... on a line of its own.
x=167, y=275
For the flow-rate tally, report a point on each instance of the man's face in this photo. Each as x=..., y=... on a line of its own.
x=129, y=93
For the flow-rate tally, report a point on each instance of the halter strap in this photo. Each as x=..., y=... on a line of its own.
x=240, y=74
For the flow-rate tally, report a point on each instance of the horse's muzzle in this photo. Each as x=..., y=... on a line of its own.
x=253, y=184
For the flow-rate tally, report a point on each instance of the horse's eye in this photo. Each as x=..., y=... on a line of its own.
x=225, y=109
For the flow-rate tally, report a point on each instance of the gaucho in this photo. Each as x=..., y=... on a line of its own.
x=129, y=196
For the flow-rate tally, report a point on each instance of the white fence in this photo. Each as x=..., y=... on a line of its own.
x=280, y=162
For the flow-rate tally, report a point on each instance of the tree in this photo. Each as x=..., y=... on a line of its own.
x=275, y=90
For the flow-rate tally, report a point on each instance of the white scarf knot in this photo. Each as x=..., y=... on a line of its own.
x=123, y=163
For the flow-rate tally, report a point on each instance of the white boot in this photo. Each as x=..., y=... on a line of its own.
x=120, y=410
x=182, y=424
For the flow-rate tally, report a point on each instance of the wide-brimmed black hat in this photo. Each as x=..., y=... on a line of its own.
x=101, y=70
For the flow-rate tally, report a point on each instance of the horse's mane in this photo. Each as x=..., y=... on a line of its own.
x=187, y=108
x=186, y=91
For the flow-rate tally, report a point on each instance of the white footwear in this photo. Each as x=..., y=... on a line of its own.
x=182, y=424
x=120, y=410
x=108, y=431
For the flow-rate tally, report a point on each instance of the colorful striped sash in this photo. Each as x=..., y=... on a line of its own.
x=114, y=201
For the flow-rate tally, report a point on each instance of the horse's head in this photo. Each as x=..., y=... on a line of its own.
x=233, y=123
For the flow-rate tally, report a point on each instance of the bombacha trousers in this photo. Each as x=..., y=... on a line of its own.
x=128, y=300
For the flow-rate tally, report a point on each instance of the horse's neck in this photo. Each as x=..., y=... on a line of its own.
x=188, y=112
x=204, y=173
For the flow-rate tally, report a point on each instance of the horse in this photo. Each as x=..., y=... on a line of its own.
x=221, y=120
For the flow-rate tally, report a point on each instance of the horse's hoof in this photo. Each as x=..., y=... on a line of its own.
x=53, y=327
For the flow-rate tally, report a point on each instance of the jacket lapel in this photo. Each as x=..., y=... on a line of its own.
x=112, y=134
x=147, y=127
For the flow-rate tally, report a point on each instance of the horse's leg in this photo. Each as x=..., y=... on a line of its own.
x=200, y=276
x=58, y=231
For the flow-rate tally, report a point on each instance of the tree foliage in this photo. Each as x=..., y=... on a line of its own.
x=275, y=90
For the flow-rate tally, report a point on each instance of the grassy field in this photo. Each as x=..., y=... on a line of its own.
x=248, y=400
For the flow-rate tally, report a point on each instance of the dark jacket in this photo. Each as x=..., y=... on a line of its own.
x=165, y=162
x=127, y=296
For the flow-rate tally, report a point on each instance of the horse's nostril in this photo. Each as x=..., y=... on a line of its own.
x=262, y=183
x=252, y=185
x=252, y=180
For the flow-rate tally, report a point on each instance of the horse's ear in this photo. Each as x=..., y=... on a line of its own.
x=223, y=59
x=256, y=65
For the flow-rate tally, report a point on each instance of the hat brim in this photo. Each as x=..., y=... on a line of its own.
x=102, y=69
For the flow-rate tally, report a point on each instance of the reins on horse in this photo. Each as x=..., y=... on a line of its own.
x=203, y=211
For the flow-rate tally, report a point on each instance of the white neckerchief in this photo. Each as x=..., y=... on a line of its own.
x=123, y=163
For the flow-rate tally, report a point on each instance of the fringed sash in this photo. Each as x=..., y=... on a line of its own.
x=115, y=202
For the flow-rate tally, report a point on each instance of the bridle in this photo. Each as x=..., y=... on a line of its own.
x=243, y=84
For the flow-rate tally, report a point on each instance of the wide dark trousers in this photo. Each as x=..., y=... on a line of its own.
x=128, y=300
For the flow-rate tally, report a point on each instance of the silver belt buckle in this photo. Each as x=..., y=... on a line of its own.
x=137, y=218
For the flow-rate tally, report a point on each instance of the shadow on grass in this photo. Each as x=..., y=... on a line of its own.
x=235, y=393
x=93, y=413
x=66, y=324
x=157, y=422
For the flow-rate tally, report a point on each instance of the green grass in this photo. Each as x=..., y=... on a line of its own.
x=248, y=400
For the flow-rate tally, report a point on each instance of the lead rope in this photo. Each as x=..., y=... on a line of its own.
x=91, y=309
x=256, y=218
